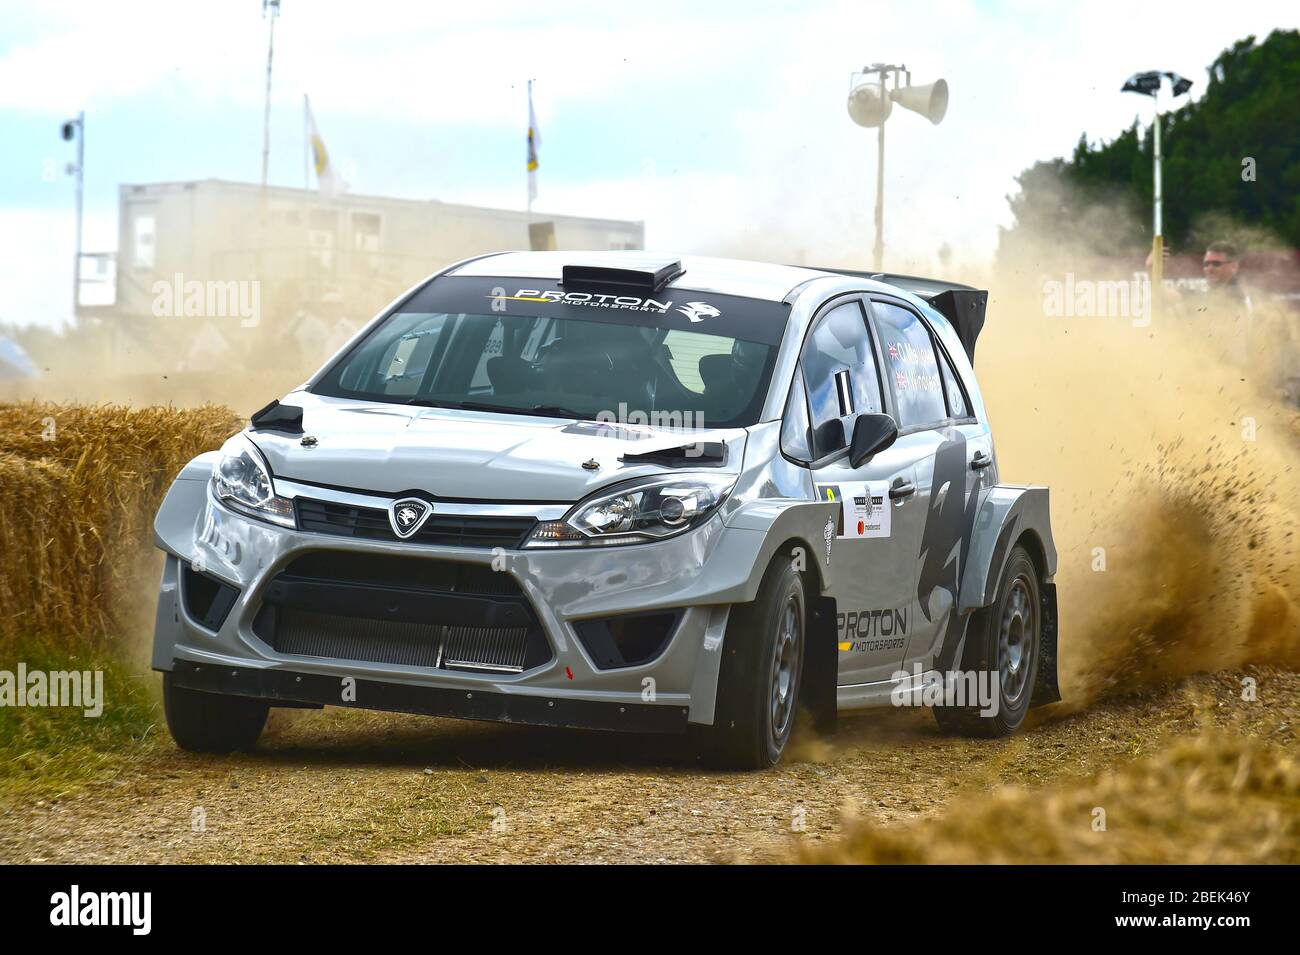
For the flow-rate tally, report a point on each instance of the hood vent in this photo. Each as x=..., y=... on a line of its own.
x=645, y=275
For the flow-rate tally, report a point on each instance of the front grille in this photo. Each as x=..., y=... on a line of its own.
x=483, y=648
x=352, y=638
x=402, y=611
x=448, y=530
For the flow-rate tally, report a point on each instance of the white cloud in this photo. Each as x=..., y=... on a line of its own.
x=778, y=169
x=39, y=290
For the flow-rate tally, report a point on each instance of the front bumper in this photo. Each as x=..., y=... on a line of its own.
x=287, y=686
x=699, y=575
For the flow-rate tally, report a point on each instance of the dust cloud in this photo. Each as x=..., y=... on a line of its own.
x=1175, y=482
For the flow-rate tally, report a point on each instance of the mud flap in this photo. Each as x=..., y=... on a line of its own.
x=820, y=665
x=1046, y=687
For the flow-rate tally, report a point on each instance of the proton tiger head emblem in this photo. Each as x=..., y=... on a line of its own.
x=698, y=311
x=408, y=515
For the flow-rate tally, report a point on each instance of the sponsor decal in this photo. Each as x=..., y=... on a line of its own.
x=698, y=311
x=869, y=631
x=829, y=535
x=631, y=302
x=864, y=510
x=694, y=311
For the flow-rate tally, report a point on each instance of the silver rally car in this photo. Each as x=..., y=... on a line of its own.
x=623, y=492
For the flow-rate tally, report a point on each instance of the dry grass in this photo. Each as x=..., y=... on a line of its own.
x=80, y=485
x=1211, y=799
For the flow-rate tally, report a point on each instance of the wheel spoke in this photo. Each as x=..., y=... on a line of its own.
x=1017, y=636
x=784, y=660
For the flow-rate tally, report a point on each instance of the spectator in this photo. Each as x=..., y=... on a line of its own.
x=1220, y=267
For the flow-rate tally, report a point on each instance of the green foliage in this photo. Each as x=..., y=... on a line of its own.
x=1250, y=108
x=48, y=751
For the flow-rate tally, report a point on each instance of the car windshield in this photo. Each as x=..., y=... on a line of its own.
x=565, y=367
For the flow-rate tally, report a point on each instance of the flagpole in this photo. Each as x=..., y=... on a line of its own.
x=306, y=143
x=271, y=7
x=528, y=173
x=1158, y=240
x=306, y=185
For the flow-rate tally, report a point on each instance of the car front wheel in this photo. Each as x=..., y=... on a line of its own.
x=212, y=722
x=758, y=689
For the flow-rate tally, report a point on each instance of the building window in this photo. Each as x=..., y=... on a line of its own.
x=144, y=250
x=322, y=228
x=365, y=231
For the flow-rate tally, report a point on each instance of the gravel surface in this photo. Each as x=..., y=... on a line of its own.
x=345, y=786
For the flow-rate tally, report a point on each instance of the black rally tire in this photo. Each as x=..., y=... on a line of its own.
x=1017, y=612
x=748, y=732
x=212, y=722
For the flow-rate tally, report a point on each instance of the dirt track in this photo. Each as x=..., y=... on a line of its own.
x=338, y=786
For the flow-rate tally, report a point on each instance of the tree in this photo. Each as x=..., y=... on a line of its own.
x=1250, y=111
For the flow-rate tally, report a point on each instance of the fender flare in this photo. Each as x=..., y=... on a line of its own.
x=1005, y=514
x=778, y=521
x=1008, y=514
x=775, y=523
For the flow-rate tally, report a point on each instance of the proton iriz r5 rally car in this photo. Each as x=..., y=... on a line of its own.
x=621, y=492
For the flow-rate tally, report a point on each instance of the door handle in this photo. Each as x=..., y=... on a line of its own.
x=901, y=489
x=980, y=461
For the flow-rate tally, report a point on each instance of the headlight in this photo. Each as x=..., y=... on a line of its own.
x=242, y=482
x=648, y=509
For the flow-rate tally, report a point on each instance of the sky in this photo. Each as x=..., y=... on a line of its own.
x=722, y=125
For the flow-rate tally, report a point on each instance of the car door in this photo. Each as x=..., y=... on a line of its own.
x=867, y=572
x=952, y=454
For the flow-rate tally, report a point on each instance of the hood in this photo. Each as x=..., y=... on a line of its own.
x=390, y=450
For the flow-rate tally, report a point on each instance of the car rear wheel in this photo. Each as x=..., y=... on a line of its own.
x=212, y=722
x=758, y=688
x=1002, y=648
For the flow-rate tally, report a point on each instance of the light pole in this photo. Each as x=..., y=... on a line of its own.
x=76, y=129
x=1148, y=84
x=870, y=103
x=270, y=10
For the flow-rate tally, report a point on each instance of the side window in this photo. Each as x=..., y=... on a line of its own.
x=958, y=407
x=839, y=369
x=910, y=365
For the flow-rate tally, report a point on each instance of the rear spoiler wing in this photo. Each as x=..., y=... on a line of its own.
x=963, y=305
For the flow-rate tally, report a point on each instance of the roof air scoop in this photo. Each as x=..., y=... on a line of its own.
x=645, y=275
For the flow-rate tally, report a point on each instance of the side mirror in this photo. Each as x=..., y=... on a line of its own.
x=872, y=433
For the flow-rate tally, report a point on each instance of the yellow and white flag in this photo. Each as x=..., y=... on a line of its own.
x=534, y=141
x=327, y=178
